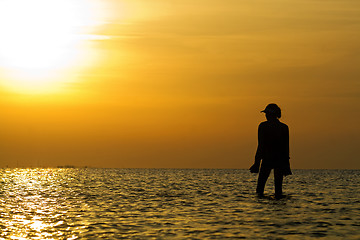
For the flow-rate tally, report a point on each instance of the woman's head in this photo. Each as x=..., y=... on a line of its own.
x=272, y=111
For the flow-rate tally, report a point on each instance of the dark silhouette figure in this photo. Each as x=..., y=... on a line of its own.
x=272, y=151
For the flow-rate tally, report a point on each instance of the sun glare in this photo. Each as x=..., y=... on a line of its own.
x=41, y=40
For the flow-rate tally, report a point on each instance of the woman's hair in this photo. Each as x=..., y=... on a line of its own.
x=278, y=112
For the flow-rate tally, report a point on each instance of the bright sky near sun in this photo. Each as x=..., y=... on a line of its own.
x=180, y=83
x=41, y=41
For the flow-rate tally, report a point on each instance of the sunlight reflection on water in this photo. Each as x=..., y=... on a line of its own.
x=175, y=204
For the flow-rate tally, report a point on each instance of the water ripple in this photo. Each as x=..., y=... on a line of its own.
x=175, y=204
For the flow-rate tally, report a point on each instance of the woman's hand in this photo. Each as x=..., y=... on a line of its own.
x=255, y=168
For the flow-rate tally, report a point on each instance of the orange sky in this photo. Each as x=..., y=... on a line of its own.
x=180, y=83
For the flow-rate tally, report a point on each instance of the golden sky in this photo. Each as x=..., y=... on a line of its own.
x=180, y=83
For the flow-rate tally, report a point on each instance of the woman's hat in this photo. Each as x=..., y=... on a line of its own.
x=272, y=108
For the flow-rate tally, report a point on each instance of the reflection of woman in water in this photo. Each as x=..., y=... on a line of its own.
x=272, y=151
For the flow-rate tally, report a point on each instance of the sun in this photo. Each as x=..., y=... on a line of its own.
x=41, y=41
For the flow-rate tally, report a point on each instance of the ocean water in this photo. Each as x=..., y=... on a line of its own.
x=176, y=204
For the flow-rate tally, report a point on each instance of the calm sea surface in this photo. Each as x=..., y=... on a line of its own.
x=176, y=204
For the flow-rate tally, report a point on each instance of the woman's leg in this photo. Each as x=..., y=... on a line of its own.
x=263, y=176
x=278, y=178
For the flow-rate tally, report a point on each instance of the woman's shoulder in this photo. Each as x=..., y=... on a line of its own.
x=268, y=124
x=263, y=124
x=284, y=126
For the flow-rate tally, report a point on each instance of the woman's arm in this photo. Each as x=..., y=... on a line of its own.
x=287, y=151
x=259, y=152
x=260, y=149
x=286, y=168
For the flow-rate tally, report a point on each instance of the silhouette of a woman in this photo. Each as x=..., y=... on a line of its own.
x=272, y=151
